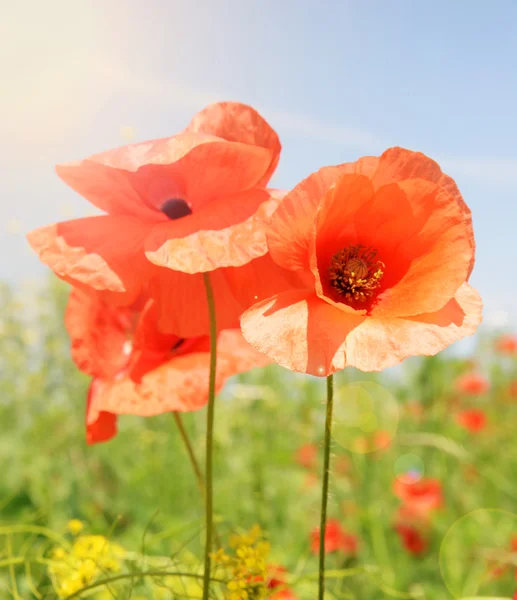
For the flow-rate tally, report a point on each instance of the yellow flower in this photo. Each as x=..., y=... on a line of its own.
x=75, y=526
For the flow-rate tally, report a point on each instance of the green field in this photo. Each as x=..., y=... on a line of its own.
x=139, y=489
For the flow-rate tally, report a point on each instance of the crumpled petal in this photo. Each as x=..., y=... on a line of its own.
x=306, y=334
x=381, y=343
x=300, y=331
x=238, y=122
x=105, y=252
x=101, y=426
x=98, y=334
x=227, y=232
x=178, y=385
x=137, y=179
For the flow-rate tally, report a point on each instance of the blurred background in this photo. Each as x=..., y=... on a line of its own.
x=337, y=80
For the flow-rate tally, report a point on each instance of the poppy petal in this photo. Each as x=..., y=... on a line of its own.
x=101, y=426
x=436, y=255
x=98, y=333
x=335, y=229
x=105, y=253
x=291, y=225
x=181, y=384
x=306, y=334
x=137, y=179
x=182, y=304
x=238, y=122
x=298, y=330
x=224, y=233
x=262, y=278
x=381, y=343
x=397, y=164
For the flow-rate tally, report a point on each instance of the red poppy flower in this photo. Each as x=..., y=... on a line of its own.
x=336, y=539
x=307, y=455
x=412, y=539
x=472, y=384
x=473, y=419
x=276, y=581
x=385, y=246
x=138, y=370
x=380, y=440
x=422, y=495
x=506, y=344
x=513, y=389
x=189, y=203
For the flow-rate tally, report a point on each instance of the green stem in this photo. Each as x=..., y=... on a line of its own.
x=325, y=484
x=210, y=435
x=190, y=452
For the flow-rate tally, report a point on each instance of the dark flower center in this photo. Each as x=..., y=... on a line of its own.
x=355, y=274
x=178, y=344
x=175, y=208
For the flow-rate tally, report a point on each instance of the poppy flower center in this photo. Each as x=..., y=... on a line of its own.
x=178, y=344
x=354, y=272
x=175, y=208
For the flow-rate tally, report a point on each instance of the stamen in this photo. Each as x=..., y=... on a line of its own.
x=176, y=208
x=355, y=273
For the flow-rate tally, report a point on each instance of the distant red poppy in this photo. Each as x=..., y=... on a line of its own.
x=473, y=419
x=422, y=495
x=412, y=539
x=307, y=455
x=276, y=581
x=336, y=539
x=311, y=480
x=189, y=203
x=385, y=247
x=472, y=384
x=380, y=440
x=506, y=344
x=138, y=370
x=513, y=388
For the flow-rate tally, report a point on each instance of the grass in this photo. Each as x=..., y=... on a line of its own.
x=139, y=489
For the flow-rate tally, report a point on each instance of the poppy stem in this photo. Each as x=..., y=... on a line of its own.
x=210, y=435
x=325, y=484
x=190, y=452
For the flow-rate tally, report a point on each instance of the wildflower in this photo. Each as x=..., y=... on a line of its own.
x=90, y=557
x=175, y=208
x=513, y=388
x=472, y=384
x=422, y=495
x=75, y=526
x=380, y=440
x=507, y=344
x=383, y=249
x=307, y=455
x=412, y=539
x=473, y=419
x=336, y=539
x=246, y=566
x=138, y=370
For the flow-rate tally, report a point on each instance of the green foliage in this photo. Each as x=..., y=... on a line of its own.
x=139, y=490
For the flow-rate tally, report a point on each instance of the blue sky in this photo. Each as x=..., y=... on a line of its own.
x=337, y=79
